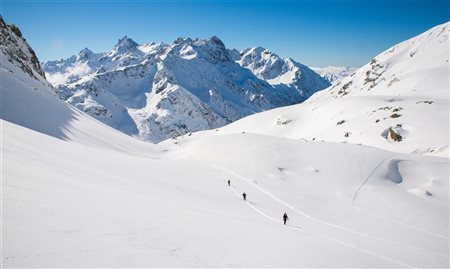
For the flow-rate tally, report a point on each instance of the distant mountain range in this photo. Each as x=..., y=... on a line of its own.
x=334, y=74
x=157, y=91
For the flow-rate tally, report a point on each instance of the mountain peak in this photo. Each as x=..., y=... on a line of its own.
x=216, y=40
x=183, y=40
x=85, y=54
x=258, y=53
x=125, y=43
x=85, y=50
x=259, y=49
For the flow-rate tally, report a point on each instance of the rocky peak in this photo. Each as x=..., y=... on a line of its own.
x=216, y=41
x=215, y=51
x=125, y=44
x=85, y=54
x=264, y=63
x=182, y=40
x=259, y=50
x=212, y=50
x=258, y=56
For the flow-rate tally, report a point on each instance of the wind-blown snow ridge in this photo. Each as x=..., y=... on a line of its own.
x=158, y=91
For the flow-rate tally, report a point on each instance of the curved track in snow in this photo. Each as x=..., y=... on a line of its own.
x=294, y=209
x=358, y=190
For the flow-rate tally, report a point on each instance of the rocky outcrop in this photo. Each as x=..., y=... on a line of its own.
x=16, y=48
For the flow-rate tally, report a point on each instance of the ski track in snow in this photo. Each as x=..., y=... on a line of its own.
x=315, y=234
x=63, y=253
x=358, y=190
x=280, y=201
x=355, y=196
x=404, y=224
x=218, y=168
x=322, y=221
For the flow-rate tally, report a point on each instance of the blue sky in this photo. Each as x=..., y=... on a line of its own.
x=316, y=33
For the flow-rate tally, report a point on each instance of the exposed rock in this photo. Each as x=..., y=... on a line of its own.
x=394, y=136
x=11, y=41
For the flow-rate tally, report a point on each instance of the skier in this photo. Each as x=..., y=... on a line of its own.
x=245, y=196
x=285, y=218
x=229, y=182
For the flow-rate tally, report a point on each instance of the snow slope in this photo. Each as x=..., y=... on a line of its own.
x=157, y=91
x=334, y=74
x=78, y=193
x=403, y=91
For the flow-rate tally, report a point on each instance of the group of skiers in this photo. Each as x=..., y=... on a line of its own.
x=244, y=195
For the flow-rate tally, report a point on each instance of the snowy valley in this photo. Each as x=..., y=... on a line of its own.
x=361, y=187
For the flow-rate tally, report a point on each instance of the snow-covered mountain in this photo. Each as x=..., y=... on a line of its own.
x=334, y=74
x=398, y=102
x=280, y=73
x=156, y=91
x=77, y=193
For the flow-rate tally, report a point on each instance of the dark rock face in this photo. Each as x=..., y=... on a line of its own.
x=11, y=44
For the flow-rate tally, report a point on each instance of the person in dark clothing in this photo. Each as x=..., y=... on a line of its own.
x=229, y=182
x=285, y=218
x=244, y=195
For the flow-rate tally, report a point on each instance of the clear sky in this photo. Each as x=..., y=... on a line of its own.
x=316, y=33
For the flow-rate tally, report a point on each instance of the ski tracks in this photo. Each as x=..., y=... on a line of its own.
x=287, y=205
x=322, y=221
x=319, y=235
x=347, y=229
x=403, y=224
x=355, y=195
x=60, y=253
x=358, y=190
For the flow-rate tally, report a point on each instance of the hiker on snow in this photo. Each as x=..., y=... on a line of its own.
x=285, y=218
x=229, y=182
x=245, y=196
